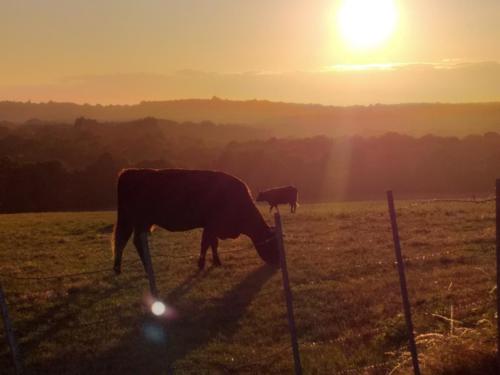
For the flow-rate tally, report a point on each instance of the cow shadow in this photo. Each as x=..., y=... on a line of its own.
x=221, y=319
x=62, y=314
x=189, y=283
x=157, y=345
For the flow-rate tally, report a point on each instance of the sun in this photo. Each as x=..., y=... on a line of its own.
x=366, y=24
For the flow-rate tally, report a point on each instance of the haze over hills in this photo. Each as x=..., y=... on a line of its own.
x=282, y=119
x=65, y=156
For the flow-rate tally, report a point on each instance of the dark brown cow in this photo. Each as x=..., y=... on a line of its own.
x=280, y=195
x=180, y=200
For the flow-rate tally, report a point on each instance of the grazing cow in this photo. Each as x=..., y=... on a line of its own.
x=279, y=195
x=180, y=200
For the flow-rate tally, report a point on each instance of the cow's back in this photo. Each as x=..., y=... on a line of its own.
x=179, y=199
x=279, y=195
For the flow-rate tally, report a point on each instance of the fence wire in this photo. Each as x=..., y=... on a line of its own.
x=269, y=358
x=443, y=200
x=109, y=269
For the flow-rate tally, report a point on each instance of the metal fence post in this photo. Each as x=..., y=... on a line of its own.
x=288, y=295
x=9, y=333
x=402, y=281
x=497, y=209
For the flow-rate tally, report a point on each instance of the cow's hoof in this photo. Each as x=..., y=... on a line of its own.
x=117, y=270
x=217, y=262
x=201, y=263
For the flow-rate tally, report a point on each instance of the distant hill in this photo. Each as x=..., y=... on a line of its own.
x=282, y=119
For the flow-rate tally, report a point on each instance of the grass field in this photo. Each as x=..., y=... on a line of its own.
x=232, y=319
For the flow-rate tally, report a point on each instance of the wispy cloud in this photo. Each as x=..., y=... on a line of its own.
x=445, y=81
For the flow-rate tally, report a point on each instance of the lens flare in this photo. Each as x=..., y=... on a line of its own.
x=154, y=332
x=158, y=308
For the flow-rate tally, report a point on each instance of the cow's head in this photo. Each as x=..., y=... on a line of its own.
x=268, y=249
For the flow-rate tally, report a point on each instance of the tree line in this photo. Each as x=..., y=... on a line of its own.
x=57, y=167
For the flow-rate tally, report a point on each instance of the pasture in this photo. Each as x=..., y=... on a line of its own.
x=232, y=319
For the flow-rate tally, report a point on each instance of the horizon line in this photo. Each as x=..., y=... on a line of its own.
x=217, y=98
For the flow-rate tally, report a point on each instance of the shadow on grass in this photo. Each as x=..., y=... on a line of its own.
x=188, y=284
x=485, y=364
x=155, y=346
x=60, y=317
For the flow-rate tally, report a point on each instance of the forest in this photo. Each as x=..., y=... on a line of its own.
x=56, y=166
x=280, y=119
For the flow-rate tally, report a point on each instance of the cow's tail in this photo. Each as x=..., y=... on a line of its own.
x=122, y=231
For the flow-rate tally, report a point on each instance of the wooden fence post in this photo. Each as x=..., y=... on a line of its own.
x=9, y=333
x=149, y=265
x=402, y=281
x=497, y=206
x=288, y=295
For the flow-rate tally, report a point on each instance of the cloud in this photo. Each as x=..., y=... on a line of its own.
x=446, y=81
x=448, y=64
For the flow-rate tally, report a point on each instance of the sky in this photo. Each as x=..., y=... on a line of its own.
x=126, y=51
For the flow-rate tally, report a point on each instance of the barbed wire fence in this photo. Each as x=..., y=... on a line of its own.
x=108, y=270
x=115, y=318
x=40, y=278
x=253, y=260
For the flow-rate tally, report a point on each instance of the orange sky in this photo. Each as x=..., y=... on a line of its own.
x=124, y=51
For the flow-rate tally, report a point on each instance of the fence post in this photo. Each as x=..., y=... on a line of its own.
x=149, y=264
x=288, y=295
x=9, y=333
x=497, y=206
x=402, y=281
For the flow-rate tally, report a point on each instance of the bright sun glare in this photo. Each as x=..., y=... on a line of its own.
x=366, y=24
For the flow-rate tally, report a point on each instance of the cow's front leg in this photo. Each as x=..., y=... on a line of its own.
x=205, y=243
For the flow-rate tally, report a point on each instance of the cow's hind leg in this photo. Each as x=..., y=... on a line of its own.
x=141, y=244
x=214, y=243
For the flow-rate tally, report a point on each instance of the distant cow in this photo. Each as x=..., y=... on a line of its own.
x=180, y=200
x=280, y=195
